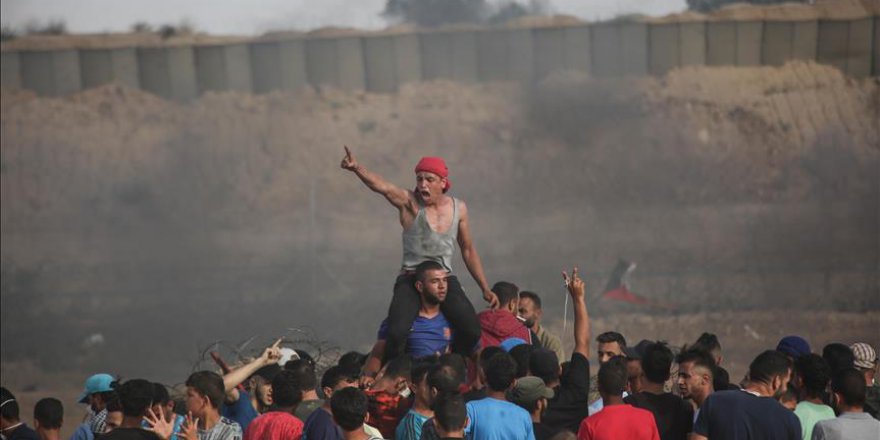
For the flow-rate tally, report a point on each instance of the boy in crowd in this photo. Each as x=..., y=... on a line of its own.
x=308, y=380
x=11, y=425
x=244, y=406
x=674, y=417
x=499, y=324
x=848, y=394
x=320, y=425
x=696, y=376
x=754, y=410
x=279, y=423
x=349, y=408
x=532, y=395
x=617, y=420
x=812, y=375
x=493, y=417
x=136, y=398
x=387, y=404
x=410, y=427
x=48, y=417
x=204, y=397
x=450, y=416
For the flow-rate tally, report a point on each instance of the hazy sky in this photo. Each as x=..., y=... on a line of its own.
x=256, y=16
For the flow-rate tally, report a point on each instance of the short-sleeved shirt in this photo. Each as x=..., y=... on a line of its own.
x=494, y=419
x=386, y=410
x=275, y=425
x=740, y=415
x=619, y=422
x=809, y=413
x=550, y=342
x=848, y=426
x=410, y=427
x=674, y=416
x=568, y=407
x=241, y=411
x=427, y=336
x=225, y=429
x=306, y=407
x=320, y=426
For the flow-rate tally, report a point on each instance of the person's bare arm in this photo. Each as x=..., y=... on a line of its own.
x=270, y=355
x=576, y=289
x=471, y=258
x=373, y=364
x=397, y=196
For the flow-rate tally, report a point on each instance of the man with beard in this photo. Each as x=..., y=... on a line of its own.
x=752, y=412
x=531, y=312
x=432, y=223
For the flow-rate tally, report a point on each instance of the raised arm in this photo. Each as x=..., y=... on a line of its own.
x=471, y=258
x=270, y=355
x=576, y=288
x=398, y=197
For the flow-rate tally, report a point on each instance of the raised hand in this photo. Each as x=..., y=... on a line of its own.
x=190, y=428
x=348, y=161
x=158, y=424
x=575, y=284
x=272, y=354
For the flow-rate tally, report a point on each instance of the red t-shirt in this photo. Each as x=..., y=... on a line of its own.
x=274, y=425
x=386, y=410
x=619, y=422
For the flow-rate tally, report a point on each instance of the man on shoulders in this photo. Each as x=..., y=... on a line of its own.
x=753, y=412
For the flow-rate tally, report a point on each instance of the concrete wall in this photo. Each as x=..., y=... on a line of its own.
x=382, y=63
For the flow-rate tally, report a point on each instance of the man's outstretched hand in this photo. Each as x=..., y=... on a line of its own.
x=574, y=284
x=348, y=161
x=491, y=298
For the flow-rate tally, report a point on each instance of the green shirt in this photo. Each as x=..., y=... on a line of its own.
x=810, y=413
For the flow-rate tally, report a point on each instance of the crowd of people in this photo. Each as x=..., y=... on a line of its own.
x=440, y=370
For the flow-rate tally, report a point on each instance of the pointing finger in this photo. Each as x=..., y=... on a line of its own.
x=347, y=152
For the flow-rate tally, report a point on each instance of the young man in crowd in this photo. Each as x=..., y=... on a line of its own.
x=431, y=334
x=450, y=416
x=308, y=380
x=568, y=407
x=204, y=397
x=48, y=417
x=349, y=408
x=848, y=394
x=11, y=425
x=98, y=390
x=634, y=372
x=617, y=420
x=866, y=363
x=793, y=346
x=709, y=343
x=280, y=423
x=500, y=324
x=811, y=378
x=136, y=398
x=410, y=426
x=608, y=345
x=115, y=416
x=532, y=395
x=674, y=416
x=493, y=417
x=839, y=357
x=432, y=223
x=695, y=376
x=163, y=407
x=244, y=406
x=320, y=425
x=388, y=402
x=754, y=410
x=531, y=311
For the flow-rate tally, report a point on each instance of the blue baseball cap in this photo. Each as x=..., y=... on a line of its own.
x=98, y=383
x=794, y=346
x=509, y=343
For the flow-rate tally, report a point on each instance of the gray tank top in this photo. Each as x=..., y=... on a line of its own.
x=421, y=243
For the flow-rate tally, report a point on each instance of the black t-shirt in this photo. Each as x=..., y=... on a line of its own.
x=544, y=432
x=739, y=415
x=129, y=434
x=569, y=403
x=23, y=432
x=674, y=416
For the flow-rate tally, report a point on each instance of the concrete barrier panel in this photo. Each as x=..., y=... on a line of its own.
x=266, y=66
x=436, y=55
x=223, y=68
x=465, y=64
x=407, y=60
x=804, y=40
x=10, y=70
x=493, y=57
x=749, y=35
x=721, y=44
x=777, y=46
x=833, y=43
x=352, y=74
x=549, y=51
x=380, y=64
x=664, y=48
x=692, y=44
x=182, y=67
x=103, y=66
x=238, y=67
x=859, y=56
x=51, y=73
x=577, y=48
x=605, y=50
x=634, y=46
x=521, y=55
x=293, y=65
x=168, y=72
x=321, y=62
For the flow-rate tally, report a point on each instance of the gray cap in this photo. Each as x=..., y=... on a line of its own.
x=528, y=390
